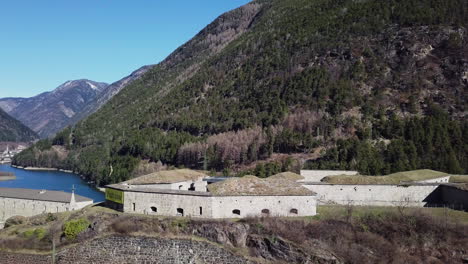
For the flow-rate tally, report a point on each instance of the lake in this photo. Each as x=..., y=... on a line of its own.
x=50, y=180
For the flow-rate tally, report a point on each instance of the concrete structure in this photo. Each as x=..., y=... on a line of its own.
x=414, y=194
x=318, y=175
x=257, y=197
x=444, y=179
x=28, y=202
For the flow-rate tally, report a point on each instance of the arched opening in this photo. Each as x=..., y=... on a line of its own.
x=293, y=211
x=180, y=212
x=265, y=212
x=192, y=187
x=154, y=209
x=236, y=211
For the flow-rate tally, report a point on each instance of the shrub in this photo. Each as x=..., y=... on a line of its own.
x=38, y=233
x=15, y=220
x=73, y=227
x=51, y=217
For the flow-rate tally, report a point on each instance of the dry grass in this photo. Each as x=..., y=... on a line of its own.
x=251, y=185
x=354, y=234
x=287, y=176
x=169, y=176
x=395, y=178
x=459, y=179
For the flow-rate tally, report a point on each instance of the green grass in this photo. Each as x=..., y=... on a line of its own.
x=395, y=178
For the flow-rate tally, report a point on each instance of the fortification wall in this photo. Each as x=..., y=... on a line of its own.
x=317, y=175
x=204, y=206
x=224, y=206
x=436, y=180
x=167, y=204
x=375, y=195
x=124, y=249
x=10, y=207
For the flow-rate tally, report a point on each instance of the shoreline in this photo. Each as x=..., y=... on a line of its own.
x=101, y=189
x=42, y=169
x=39, y=169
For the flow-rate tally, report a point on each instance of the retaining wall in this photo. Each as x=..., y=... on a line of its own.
x=125, y=249
x=375, y=195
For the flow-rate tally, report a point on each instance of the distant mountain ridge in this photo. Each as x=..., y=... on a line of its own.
x=50, y=112
x=12, y=130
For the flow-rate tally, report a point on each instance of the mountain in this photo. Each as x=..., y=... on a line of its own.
x=375, y=86
x=50, y=112
x=12, y=129
x=107, y=93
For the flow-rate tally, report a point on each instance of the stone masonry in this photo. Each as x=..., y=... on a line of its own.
x=125, y=249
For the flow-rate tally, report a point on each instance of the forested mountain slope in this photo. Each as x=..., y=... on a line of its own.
x=106, y=94
x=49, y=112
x=379, y=86
x=12, y=129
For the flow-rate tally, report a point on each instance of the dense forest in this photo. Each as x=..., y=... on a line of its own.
x=378, y=86
x=13, y=130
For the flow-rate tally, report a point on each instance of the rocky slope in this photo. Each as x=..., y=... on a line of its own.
x=50, y=112
x=371, y=82
x=13, y=130
x=337, y=235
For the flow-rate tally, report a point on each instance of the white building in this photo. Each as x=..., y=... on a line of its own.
x=29, y=202
x=189, y=193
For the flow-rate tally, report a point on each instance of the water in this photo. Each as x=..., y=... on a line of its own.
x=50, y=180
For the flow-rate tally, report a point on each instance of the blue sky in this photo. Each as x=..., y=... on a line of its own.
x=44, y=43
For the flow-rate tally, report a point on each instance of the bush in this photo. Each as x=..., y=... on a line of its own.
x=15, y=220
x=38, y=233
x=51, y=217
x=73, y=227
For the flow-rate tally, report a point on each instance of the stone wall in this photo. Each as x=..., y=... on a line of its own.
x=11, y=206
x=207, y=206
x=445, y=179
x=200, y=186
x=167, y=204
x=375, y=195
x=317, y=175
x=124, y=249
x=120, y=249
x=17, y=258
x=224, y=206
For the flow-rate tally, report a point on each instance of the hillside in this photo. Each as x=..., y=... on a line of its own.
x=50, y=112
x=336, y=235
x=380, y=86
x=12, y=129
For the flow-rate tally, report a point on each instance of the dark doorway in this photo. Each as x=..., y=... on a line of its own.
x=180, y=212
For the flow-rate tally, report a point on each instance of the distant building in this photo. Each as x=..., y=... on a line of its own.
x=8, y=154
x=194, y=194
x=29, y=202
